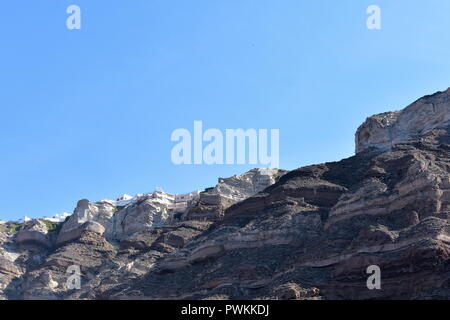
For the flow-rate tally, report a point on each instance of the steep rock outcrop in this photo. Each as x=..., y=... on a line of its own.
x=382, y=131
x=311, y=234
x=321, y=227
x=130, y=215
x=100, y=212
x=144, y=214
x=34, y=236
x=90, y=254
x=9, y=270
x=214, y=201
x=75, y=233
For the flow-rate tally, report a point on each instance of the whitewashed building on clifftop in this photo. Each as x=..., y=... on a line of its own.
x=176, y=203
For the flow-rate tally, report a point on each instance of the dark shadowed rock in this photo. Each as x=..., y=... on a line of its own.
x=34, y=235
x=73, y=234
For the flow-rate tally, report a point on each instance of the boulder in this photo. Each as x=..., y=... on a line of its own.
x=74, y=234
x=145, y=214
x=33, y=235
x=100, y=212
x=289, y=291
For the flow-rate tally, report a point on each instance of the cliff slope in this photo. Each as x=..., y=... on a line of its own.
x=309, y=233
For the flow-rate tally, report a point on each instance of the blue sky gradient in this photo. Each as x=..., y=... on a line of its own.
x=89, y=113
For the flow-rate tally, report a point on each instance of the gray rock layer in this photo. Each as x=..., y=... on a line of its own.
x=382, y=131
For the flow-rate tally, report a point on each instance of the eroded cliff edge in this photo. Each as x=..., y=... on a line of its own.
x=310, y=234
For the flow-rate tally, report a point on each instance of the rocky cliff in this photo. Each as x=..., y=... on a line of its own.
x=214, y=201
x=310, y=233
x=385, y=130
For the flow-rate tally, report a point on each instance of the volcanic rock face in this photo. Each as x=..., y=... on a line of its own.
x=75, y=233
x=140, y=216
x=8, y=269
x=382, y=131
x=214, y=201
x=101, y=212
x=34, y=234
x=145, y=212
x=115, y=222
x=310, y=233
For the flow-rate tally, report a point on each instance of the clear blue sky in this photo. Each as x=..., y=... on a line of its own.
x=89, y=113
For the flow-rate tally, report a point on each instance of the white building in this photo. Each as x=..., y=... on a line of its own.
x=173, y=203
x=176, y=203
x=24, y=219
x=183, y=201
x=163, y=197
x=59, y=217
